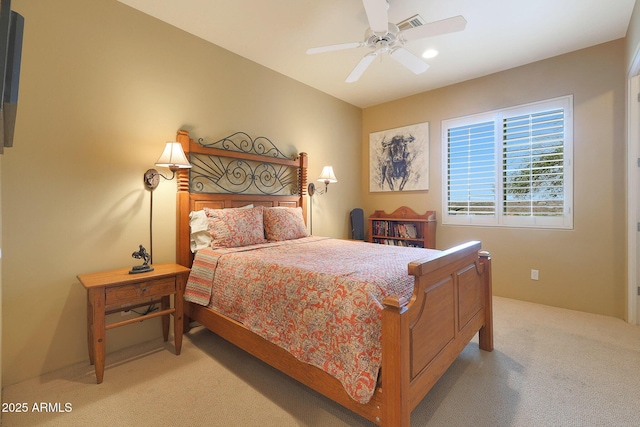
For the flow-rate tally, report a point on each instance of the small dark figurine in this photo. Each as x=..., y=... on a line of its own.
x=143, y=255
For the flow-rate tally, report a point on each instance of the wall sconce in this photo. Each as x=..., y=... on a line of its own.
x=172, y=157
x=327, y=176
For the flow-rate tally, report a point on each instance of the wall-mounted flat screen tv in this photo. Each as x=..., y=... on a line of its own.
x=11, y=31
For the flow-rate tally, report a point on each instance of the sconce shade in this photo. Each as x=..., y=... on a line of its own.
x=173, y=157
x=327, y=175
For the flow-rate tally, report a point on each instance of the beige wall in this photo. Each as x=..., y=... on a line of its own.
x=102, y=88
x=633, y=36
x=583, y=268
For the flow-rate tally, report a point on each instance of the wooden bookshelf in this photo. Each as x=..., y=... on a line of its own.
x=403, y=227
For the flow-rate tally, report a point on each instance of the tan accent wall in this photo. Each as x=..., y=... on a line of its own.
x=633, y=36
x=103, y=86
x=583, y=268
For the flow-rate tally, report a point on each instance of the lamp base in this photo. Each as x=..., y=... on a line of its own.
x=140, y=269
x=151, y=179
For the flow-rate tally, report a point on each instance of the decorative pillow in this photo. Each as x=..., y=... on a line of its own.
x=284, y=223
x=200, y=236
x=234, y=227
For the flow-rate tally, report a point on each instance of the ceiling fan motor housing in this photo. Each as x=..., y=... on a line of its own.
x=380, y=41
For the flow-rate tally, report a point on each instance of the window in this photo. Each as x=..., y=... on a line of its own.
x=511, y=167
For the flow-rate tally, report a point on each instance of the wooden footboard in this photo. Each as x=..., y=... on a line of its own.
x=421, y=337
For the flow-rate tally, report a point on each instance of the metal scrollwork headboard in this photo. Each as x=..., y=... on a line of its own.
x=234, y=172
x=242, y=142
x=223, y=173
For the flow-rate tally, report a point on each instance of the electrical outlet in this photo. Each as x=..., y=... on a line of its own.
x=124, y=311
x=534, y=275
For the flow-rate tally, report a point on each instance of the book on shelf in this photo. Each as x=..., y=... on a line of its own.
x=393, y=229
x=394, y=242
x=411, y=231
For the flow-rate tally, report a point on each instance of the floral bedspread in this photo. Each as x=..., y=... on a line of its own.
x=318, y=298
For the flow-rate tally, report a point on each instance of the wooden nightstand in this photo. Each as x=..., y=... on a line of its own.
x=116, y=290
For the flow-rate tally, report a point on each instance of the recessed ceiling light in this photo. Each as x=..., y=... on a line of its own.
x=430, y=53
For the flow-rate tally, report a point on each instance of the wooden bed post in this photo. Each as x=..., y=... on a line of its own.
x=485, y=334
x=182, y=207
x=302, y=182
x=396, y=408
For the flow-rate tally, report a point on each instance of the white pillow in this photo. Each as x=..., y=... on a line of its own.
x=200, y=237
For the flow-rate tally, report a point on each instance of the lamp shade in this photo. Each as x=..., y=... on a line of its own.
x=173, y=157
x=327, y=175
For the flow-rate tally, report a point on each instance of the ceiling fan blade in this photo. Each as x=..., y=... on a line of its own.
x=331, y=48
x=449, y=25
x=409, y=60
x=377, y=15
x=361, y=67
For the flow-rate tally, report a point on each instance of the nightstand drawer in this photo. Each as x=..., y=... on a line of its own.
x=139, y=291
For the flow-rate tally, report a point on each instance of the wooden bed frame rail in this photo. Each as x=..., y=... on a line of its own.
x=421, y=337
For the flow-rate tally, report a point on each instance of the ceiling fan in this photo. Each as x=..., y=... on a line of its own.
x=383, y=36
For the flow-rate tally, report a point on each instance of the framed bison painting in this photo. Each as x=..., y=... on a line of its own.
x=399, y=159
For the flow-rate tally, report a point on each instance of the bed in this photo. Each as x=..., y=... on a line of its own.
x=421, y=332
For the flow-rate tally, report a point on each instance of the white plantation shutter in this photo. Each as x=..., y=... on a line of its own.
x=471, y=170
x=510, y=167
x=533, y=164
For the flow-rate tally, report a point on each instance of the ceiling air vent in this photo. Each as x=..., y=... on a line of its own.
x=414, y=21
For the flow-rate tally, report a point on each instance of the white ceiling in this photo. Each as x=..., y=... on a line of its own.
x=500, y=34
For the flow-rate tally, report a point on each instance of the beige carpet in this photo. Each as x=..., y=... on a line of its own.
x=551, y=367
